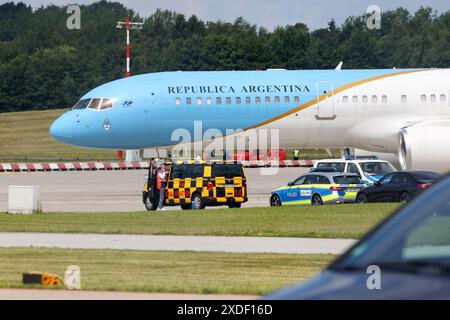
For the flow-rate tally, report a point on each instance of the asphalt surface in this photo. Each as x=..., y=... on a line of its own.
x=93, y=191
x=176, y=243
x=41, y=294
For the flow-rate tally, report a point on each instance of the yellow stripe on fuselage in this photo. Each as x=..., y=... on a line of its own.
x=334, y=92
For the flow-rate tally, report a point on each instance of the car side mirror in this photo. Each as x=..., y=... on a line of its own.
x=377, y=184
x=290, y=184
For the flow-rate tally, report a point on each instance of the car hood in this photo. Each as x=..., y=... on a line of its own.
x=352, y=285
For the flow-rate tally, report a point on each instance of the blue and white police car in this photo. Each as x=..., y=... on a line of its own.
x=318, y=188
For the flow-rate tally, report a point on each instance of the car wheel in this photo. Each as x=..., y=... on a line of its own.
x=187, y=206
x=316, y=200
x=197, y=202
x=149, y=204
x=275, y=201
x=234, y=205
x=361, y=198
x=404, y=197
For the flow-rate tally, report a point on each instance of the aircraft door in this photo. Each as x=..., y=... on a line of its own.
x=325, y=100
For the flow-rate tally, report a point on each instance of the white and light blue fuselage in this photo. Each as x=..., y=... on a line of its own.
x=394, y=111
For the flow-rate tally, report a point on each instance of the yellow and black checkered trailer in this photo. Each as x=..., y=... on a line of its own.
x=197, y=184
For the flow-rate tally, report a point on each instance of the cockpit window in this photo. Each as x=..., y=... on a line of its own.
x=82, y=104
x=106, y=104
x=95, y=104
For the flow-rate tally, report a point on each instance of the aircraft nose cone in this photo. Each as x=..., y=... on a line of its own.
x=61, y=130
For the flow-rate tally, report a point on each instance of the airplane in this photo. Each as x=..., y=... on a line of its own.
x=403, y=113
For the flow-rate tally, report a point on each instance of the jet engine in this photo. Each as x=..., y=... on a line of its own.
x=425, y=147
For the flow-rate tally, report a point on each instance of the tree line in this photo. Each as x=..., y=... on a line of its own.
x=44, y=65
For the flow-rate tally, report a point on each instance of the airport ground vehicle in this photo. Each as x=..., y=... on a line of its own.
x=368, y=170
x=398, y=186
x=318, y=188
x=409, y=252
x=197, y=184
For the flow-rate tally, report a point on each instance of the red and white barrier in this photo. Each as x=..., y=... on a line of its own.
x=94, y=166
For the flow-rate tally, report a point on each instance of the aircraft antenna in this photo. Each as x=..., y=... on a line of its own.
x=130, y=155
x=129, y=26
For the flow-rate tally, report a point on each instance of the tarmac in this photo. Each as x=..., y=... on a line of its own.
x=176, y=243
x=112, y=191
x=42, y=294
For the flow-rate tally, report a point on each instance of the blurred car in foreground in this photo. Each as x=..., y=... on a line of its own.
x=411, y=250
x=398, y=187
x=318, y=188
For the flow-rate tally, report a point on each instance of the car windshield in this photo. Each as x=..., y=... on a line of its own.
x=415, y=237
x=376, y=168
x=347, y=180
x=339, y=166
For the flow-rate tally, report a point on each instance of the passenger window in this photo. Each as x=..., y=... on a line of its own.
x=312, y=179
x=95, y=104
x=374, y=99
x=433, y=98
x=387, y=179
x=353, y=168
x=400, y=178
x=184, y=171
x=300, y=181
x=228, y=100
x=297, y=99
x=443, y=98
x=199, y=101
x=238, y=100
x=228, y=171
x=267, y=100
x=384, y=99
x=258, y=100
x=365, y=99
x=106, y=104
x=208, y=101
x=423, y=98
x=404, y=99
x=188, y=101
x=345, y=99
x=323, y=180
x=218, y=100
x=177, y=101
x=287, y=100
x=355, y=99
x=277, y=100
x=248, y=100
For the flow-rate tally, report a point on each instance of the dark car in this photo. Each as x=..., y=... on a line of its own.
x=398, y=186
x=406, y=257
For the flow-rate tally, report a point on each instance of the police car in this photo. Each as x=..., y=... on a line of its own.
x=369, y=171
x=318, y=188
